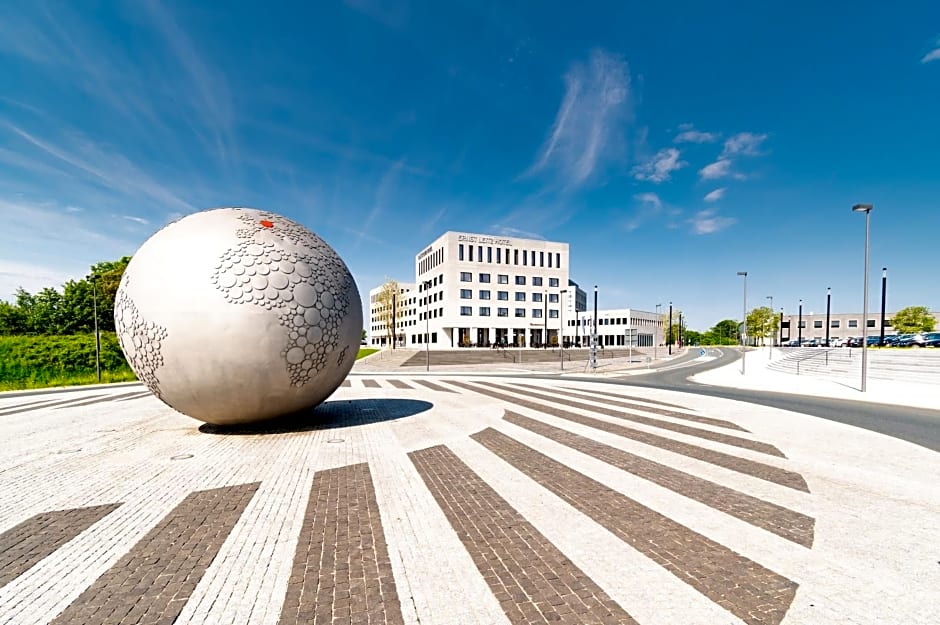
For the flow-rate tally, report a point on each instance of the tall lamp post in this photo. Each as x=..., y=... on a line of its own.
x=781, y=328
x=594, y=333
x=669, y=336
x=679, y=331
x=561, y=326
x=659, y=324
x=884, y=289
x=799, y=327
x=394, y=320
x=427, y=326
x=865, y=208
x=744, y=323
x=94, y=305
x=545, y=318
x=828, y=309
x=771, y=351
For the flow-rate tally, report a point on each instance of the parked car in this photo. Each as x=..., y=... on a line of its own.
x=811, y=343
x=836, y=342
x=932, y=339
x=911, y=340
x=891, y=340
x=853, y=341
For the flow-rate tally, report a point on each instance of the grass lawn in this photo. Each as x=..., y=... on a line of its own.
x=365, y=351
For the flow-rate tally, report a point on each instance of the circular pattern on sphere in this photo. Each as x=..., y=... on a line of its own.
x=234, y=315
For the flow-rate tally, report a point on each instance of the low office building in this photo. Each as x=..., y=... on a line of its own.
x=615, y=327
x=841, y=325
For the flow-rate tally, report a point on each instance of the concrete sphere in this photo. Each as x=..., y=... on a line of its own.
x=236, y=315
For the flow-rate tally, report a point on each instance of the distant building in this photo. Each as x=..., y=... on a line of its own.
x=841, y=325
x=480, y=290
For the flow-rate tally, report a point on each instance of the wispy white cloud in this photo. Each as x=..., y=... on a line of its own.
x=383, y=195
x=933, y=55
x=660, y=167
x=708, y=222
x=688, y=134
x=743, y=144
x=719, y=169
x=508, y=231
x=15, y=274
x=137, y=220
x=588, y=127
x=717, y=194
x=650, y=205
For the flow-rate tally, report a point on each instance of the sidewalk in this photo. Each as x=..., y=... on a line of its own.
x=758, y=376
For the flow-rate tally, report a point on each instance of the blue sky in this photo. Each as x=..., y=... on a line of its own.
x=671, y=144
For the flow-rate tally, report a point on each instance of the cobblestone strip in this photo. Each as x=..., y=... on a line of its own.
x=341, y=573
x=368, y=383
x=751, y=592
x=24, y=545
x=629, y=397
x=793, y=526
x=100, y=399
x=718, y=437
x=753, y=468
x=153, y=581
x=582, y=394
x=48, y=405
x=532, y=580
x=435, y=387
x=401, y=384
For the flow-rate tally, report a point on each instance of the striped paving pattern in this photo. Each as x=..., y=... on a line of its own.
x=728, y=461
x=646, y=400
x=341, y=571
x=534, y=582
x=756, y=595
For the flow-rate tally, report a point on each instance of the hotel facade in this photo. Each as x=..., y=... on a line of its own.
x=475, y=290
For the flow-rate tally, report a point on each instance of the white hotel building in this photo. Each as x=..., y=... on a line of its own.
x=479, y=290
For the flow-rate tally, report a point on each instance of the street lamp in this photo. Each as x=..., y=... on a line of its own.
x=669, y=336
x=828, y=309
x=744, y=323
x=545, y=318
x=94, y=304
x=561, y=326
x=427, y=326
x=781, y=328
x=771, y=350
x=799, y=327
x=884, y=289
x=659, y=325
x=865, y=208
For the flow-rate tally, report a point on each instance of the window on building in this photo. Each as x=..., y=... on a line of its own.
x=502, y=278
x=466, y=293
x=871, y=323
x=460, y=252
x=434, y=337
x=536, y=281
x=525, y=257
x=520, y=296
x=802, y=324
x=502, y=295
x=536, y=297
x=553, y=282
x=853, y=323
x=557, y=260
x=553, y=298
x=515, y=257
x=834, y=323
x=520, y=280
x=502, y=312
x=817, y=323
x=440, y=279
x=520, y=312
x=542, y=258
x=499, y=255
x=549, y=259
x=479, y=253
x=484, y=311
x=466, y=311
x=466, y=276
x=484, y=294
x=553, y=313
x=889, y=323
x=470, y=250
x=489, y=254
x=537, y=313
x=485, y=278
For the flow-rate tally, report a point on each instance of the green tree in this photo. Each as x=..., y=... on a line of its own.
x=725, y=332
x=691, y=337
x=12, y=319
x=108, y=278
x=388, y=300
x=913, y=319
x=671, y=332
x=762, y=323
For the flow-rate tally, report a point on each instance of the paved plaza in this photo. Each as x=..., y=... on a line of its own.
x=452, y=499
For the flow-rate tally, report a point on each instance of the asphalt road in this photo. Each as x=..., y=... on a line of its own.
x=920, y=426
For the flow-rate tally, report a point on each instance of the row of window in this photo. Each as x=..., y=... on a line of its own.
x=835, y=323
x=508, y=256
x=520, y=296
x=503, y=278
x=484, y=311
x=612, y=321
x=431, y=261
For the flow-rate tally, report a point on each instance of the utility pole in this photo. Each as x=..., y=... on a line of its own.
x=94, y=303
x=669, y=335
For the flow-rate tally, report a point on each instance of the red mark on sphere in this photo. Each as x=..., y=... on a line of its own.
x=267, y=224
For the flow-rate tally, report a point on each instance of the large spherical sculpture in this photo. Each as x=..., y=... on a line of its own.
x=236, y=315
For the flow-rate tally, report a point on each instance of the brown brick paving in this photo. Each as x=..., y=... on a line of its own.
x=24, y=545
x=435, y=387
x=532, y=580
x=371, y=383
x=401, y=384
x=784, y=522
x=754, y=594
x=759, y=470
x=718, y=437
x=629, y=397
x=346, y=383
x=341, y=573
x=152, y=582
x=722, y=423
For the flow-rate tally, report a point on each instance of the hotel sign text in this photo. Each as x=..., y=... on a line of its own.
x=469, y=238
